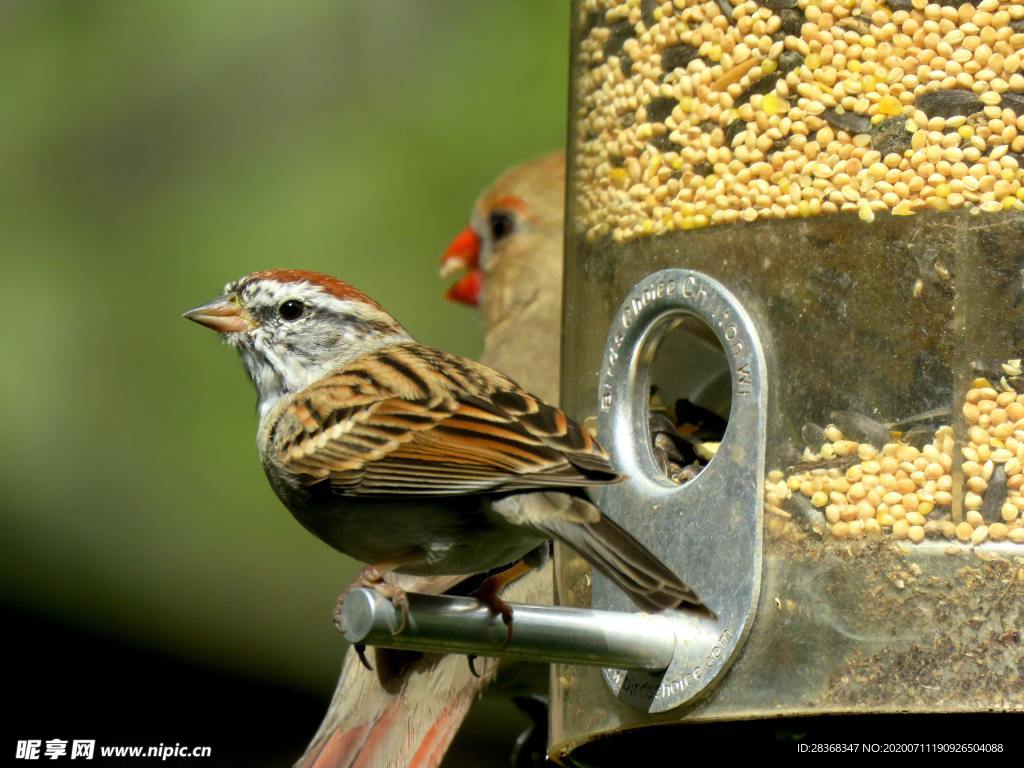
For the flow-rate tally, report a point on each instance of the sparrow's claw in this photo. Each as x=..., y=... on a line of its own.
x=401, y=601
x=471, y=658
x=500, y=606
x=360, y=650
x=488, y=594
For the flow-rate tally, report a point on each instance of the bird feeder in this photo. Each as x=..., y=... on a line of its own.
x=804, y=217
x=802, y=220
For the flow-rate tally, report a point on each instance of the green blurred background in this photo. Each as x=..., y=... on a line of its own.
x=150, y=152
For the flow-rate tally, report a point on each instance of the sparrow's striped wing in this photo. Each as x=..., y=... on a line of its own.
x=411, y=420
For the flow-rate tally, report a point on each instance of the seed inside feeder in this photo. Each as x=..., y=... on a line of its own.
x=906, y=489
x=785, y=109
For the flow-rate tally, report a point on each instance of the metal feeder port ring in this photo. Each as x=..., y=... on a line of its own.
x=708, y=529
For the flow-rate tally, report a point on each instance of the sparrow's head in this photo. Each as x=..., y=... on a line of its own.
x=522, y=207
x=293, y=327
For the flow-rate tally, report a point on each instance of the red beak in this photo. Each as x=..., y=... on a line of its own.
x=467, y=289
x=463, y=255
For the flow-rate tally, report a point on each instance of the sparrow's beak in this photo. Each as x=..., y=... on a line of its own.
x=224, y=315
x=463, y=255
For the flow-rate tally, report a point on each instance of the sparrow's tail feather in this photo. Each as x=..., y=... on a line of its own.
x=623, y=559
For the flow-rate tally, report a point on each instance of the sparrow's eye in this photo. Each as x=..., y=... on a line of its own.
x=291, y=309
x=502, y=224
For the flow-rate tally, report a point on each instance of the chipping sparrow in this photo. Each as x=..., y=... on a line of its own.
x=411, y=459
x=408, y=713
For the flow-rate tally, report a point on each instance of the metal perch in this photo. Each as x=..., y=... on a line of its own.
x=550, y=634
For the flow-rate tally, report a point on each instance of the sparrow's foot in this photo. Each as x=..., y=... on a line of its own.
x=489, y=593
x=373, y=577
x=398, y=599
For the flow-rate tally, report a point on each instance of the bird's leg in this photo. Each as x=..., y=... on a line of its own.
x=372, y=576
x=489, y=593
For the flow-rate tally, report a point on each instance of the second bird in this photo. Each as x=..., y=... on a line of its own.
x=412, y=459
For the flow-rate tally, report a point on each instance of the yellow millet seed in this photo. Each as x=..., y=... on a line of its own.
x=1009, y=512
x=998, y=531
x=964, y=531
